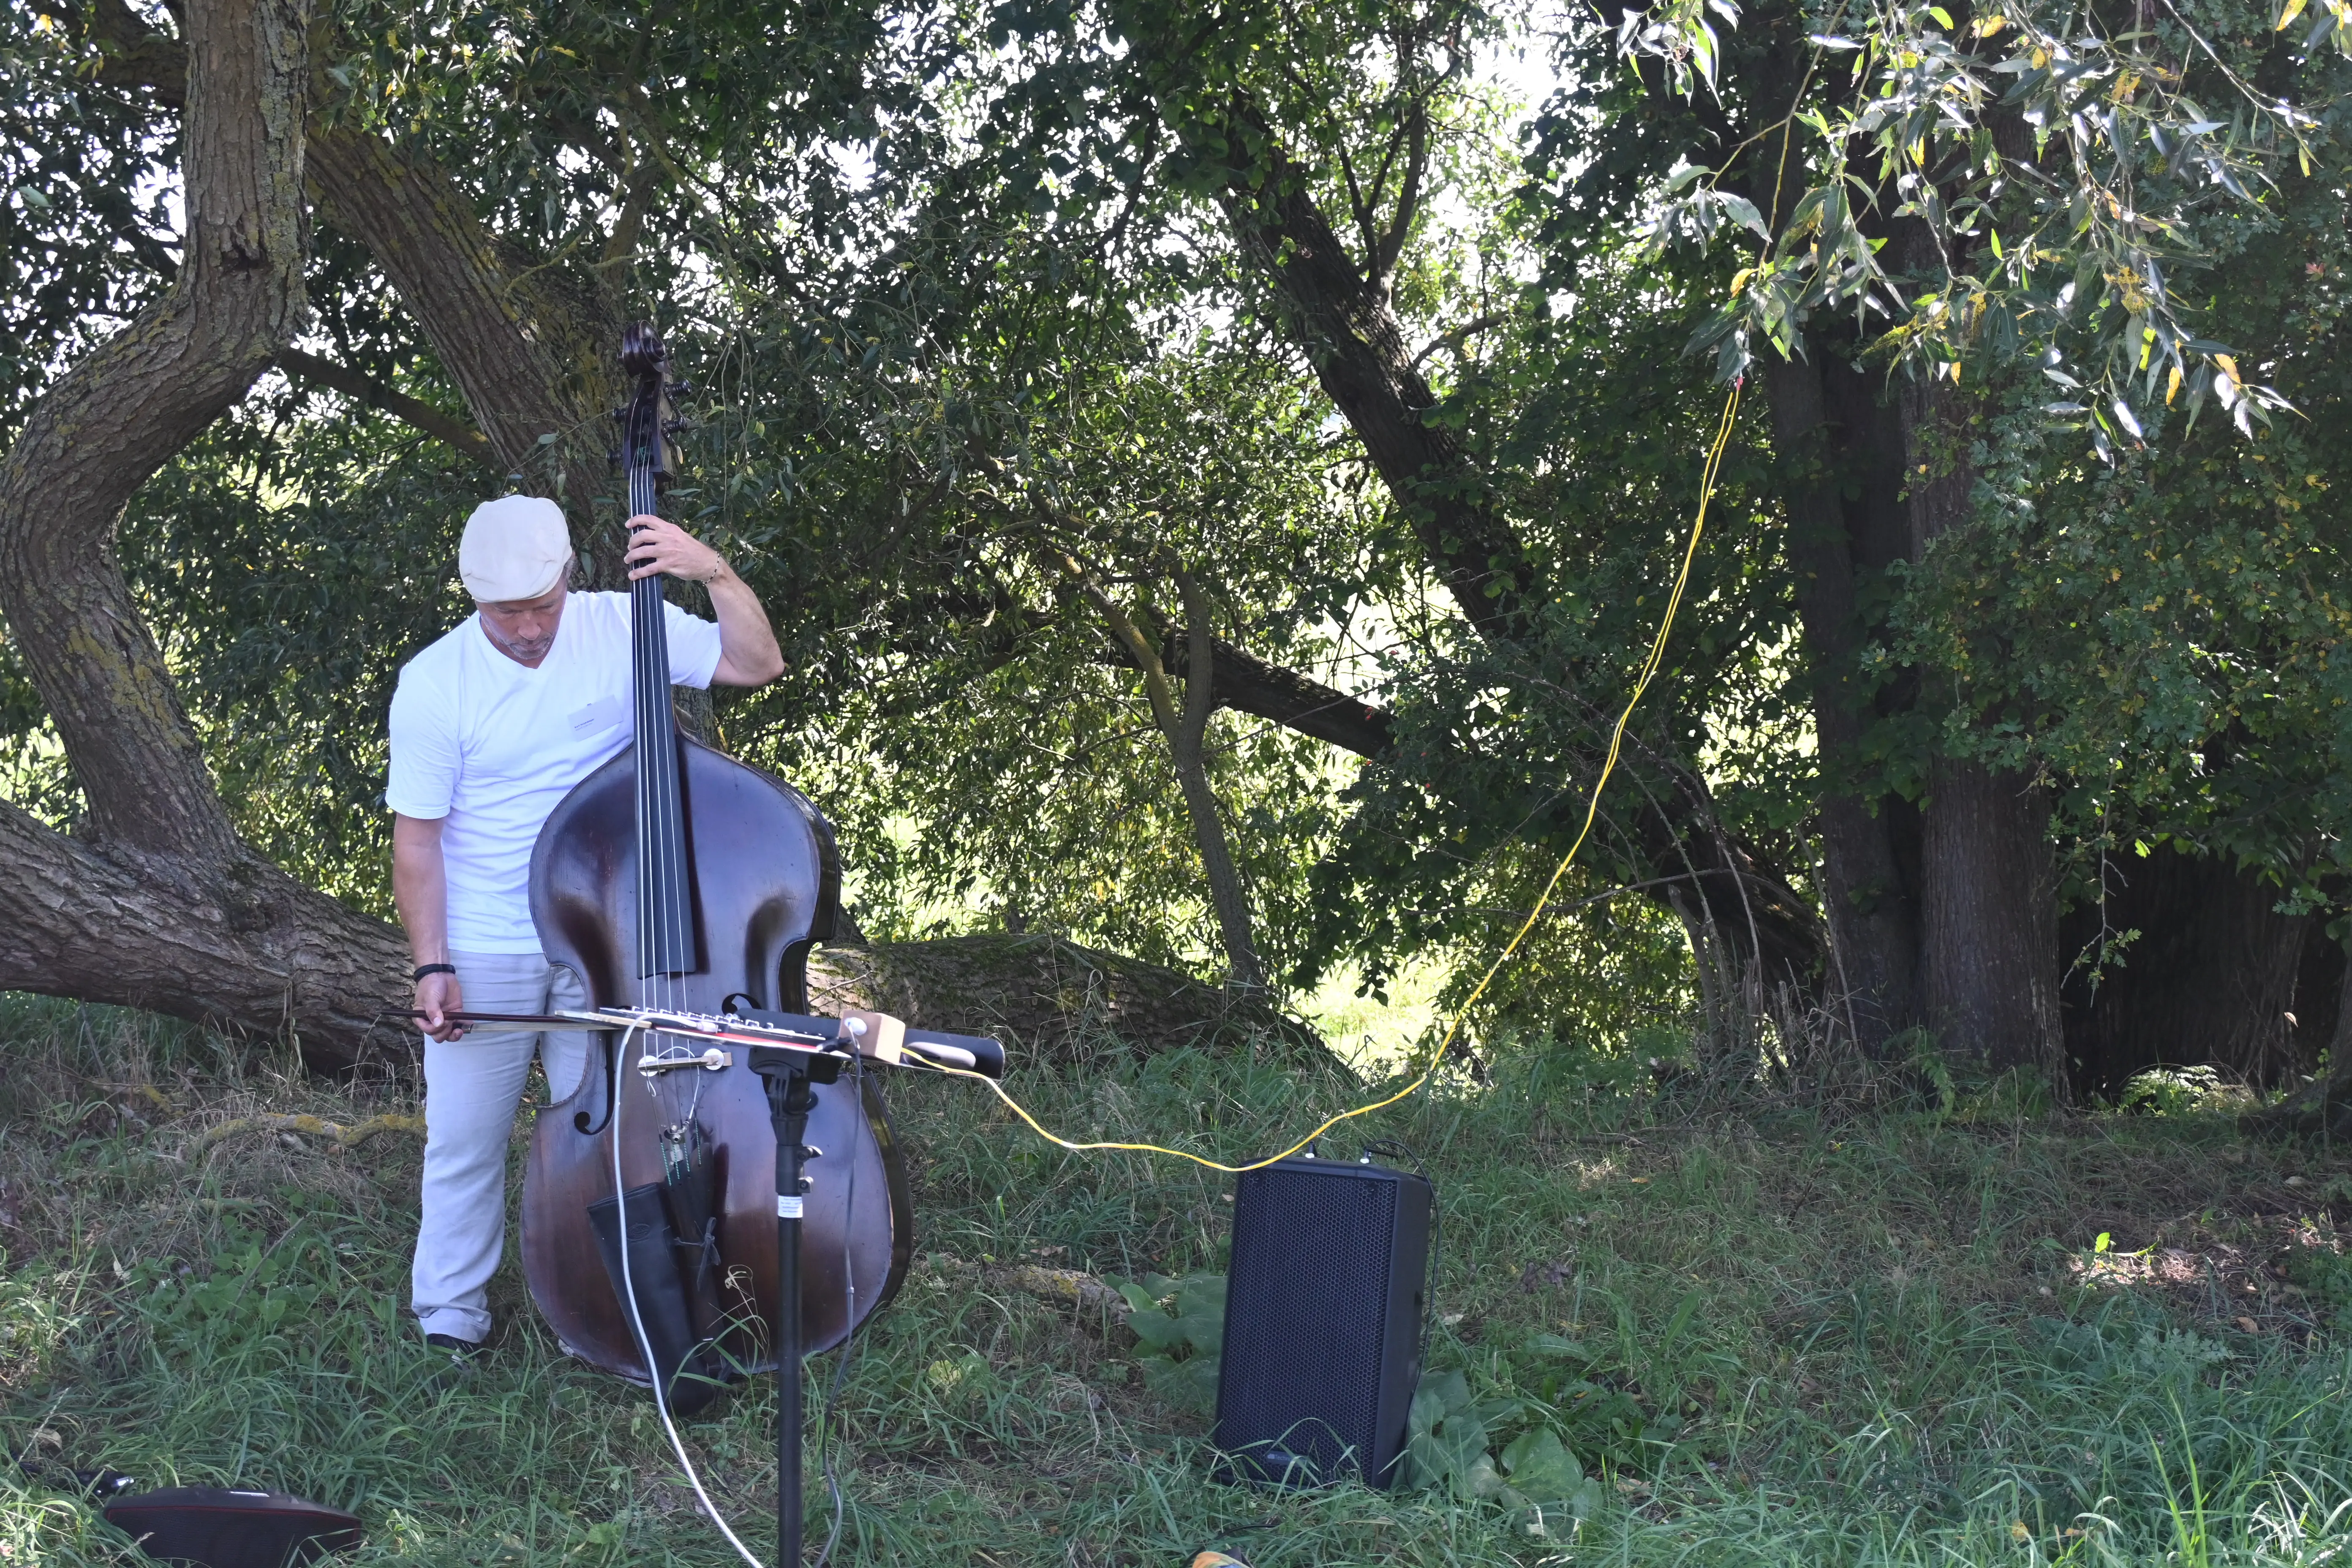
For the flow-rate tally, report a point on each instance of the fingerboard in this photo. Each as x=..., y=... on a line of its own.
x=665, y=935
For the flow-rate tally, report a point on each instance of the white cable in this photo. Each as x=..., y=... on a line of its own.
x=637, y=1319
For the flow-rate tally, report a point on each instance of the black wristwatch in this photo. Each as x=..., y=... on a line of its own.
x=425, y=969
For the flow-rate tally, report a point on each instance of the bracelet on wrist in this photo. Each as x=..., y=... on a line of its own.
x=425, y=969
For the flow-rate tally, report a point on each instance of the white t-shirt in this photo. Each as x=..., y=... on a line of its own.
x=493, y=745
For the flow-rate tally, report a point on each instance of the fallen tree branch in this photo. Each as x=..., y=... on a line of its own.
x=335, y=1132
x=1061, y=1287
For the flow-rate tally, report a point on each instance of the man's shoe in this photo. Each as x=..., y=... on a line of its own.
x=463, y=1350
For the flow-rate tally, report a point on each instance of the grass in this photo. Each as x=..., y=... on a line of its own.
x=1778, y=1335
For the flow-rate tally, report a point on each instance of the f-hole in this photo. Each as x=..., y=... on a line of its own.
x=580, y=1117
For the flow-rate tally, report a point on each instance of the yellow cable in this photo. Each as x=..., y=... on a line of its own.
x=1591, y=814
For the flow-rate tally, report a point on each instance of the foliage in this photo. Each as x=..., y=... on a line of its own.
x=2164, y=634
x=1180, y=1328
x=1008, y=759
x=289, y=575
x=2144, y=628
x=2116, y=157
x=963, y=289
x=1791, y=1337
x=1547, y=1492
x=2172, y=1091
x=86, y=225
x=1584, y=423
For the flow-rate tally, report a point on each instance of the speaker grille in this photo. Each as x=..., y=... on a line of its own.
x=1306, y=1314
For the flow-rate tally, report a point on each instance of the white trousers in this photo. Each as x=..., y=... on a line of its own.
x=472, y=1086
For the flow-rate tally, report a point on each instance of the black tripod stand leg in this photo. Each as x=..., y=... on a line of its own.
x=791, y=1098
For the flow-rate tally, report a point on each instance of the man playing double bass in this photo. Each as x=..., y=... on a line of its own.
x=491, y=726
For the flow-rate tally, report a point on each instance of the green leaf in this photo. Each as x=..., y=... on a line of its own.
x=1451, y=1390
x=1201, y=1295
x=1541, y=1467
x=1445, y=1442
x=1743, y=212
x=1558, y=1344
x=1157, y=1329
x=1549, y=1491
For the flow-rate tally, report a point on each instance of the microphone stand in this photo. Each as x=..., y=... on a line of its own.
x=791, y=1078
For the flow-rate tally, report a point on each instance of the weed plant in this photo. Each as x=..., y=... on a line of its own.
x=1771, y=1332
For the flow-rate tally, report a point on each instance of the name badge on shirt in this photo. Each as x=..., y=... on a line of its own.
x=601, y=714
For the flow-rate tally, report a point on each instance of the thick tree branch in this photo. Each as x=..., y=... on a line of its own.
x=375, y=394
x=1672, y=830
x=1350, y=332
x=1247, y=684
x=135, y=55
x=1456, y=337
x=532, y=354
x=1208, y=817
x=1380, y=264
x=1183, y=729
x=244, y=948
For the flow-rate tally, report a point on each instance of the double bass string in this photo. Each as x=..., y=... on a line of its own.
x=659, y=825
x=659, y=814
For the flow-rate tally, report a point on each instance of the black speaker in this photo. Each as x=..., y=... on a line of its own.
x=214, y=1526
x=1324, y=1301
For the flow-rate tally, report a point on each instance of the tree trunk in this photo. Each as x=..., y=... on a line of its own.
x=1184, y=748
x=1988, y=915
x=1870, y=906
x=113, y=420
x=155, y=900
x=1988, y=912
x=2213, y=977
x=1944, y=914
x=2322, y=1108
x=1185, y=730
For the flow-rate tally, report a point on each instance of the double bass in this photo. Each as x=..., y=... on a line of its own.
x=677, y=877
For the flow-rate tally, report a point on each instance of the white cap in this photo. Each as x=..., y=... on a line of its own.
x=516, y=547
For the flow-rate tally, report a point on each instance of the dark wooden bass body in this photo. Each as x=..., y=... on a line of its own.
x=765, y=879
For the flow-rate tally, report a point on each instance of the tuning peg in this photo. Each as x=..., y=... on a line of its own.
x=682, y=389
x=672, y=427
x=613, y=456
